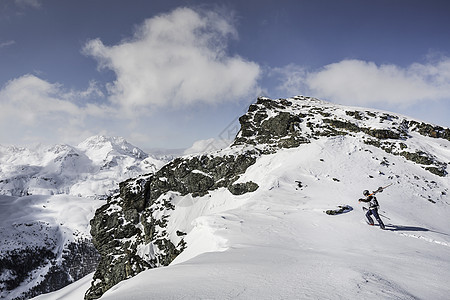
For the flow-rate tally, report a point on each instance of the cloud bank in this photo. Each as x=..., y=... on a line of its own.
x=359, y=82
x=174, y=59
x=206, y=146
x=31, y=99
x=34, y=109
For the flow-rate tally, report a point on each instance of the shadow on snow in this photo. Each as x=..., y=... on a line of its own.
x=405, y=228
x=410, y=228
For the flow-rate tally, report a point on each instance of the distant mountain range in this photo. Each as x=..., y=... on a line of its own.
x=92, y=169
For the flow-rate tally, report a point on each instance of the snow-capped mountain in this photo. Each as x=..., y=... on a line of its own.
x=249, y=221
x=48, y=194
x=92, y=169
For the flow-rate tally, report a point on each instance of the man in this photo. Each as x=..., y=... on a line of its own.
x=373, y=208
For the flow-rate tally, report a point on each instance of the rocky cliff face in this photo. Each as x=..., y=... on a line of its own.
x=130, y=231
x=136, y=229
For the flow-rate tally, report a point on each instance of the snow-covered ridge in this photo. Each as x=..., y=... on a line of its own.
x=286, y=123
x=265, y=195
x=99, y=147
x=92, y=169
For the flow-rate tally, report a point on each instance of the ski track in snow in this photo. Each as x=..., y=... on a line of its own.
x=430, y=240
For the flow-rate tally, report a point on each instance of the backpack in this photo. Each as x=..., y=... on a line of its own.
x=373, y=203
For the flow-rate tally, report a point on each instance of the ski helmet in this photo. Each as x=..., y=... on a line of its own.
x=366, y=193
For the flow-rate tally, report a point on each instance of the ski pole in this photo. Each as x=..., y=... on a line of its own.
x=384, y=216
x=365, y=208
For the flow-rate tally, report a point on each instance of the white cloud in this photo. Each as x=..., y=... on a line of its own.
x=365, y=82
x=7, y=44
x=28, y=3
x=30, y=97
x=291, y=78
x=176, y=59
x=33, y=98
x=33, y=107
x=360, y=82
x=206, y=146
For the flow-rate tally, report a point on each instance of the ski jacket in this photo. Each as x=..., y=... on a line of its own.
x=371, y=201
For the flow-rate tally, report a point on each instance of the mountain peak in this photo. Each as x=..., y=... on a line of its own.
x=102, y=139
x=295, y=147
x=287, y=123
x=93, y=168
x=98, y=147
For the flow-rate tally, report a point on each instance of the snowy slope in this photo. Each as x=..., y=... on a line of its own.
x=45, y=240
x=45, y=243
x=91, y=169
x=277, y=242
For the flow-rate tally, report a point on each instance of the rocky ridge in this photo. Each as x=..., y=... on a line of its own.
x=135, y=230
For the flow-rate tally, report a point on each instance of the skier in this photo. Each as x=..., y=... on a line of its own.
x=373, y=208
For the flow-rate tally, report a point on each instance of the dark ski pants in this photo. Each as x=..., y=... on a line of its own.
x=374, y=212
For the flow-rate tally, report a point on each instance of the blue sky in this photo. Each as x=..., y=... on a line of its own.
x=164, y=74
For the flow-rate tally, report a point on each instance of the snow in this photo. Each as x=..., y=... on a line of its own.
x=49, y=222
x=75, y=291
x=64, y=218
x=92, y=169
x=277, y=242
x=48, y=194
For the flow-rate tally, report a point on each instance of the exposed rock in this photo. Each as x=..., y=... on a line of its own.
x=131, y=231
x=136, y=218
x=430, y=130
x=279, y=131
x=242, y=188
x=78, y=259
x=340, y=210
